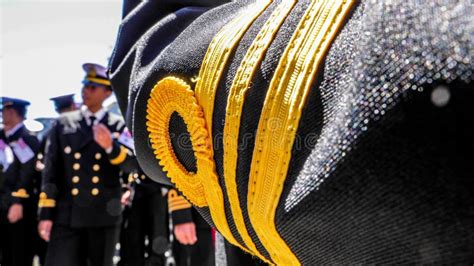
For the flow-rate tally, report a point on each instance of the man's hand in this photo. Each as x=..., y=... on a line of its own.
x=44, y=229
x=186, y=233
x=102, y=136
x=125, y=200
x=39, y=166
x=15, y=213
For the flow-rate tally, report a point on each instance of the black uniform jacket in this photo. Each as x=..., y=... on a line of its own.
x=18, y=180
x=81, y=183
x=309, y=132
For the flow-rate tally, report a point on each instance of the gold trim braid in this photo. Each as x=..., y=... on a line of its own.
x=121, y=157
x=177, y=202
x=235, y=102
x=279, y=120
x=44, y=202
x=217, y=55
x=100, y=81
x=20, y=193
x=210, y=73
x=171, y=95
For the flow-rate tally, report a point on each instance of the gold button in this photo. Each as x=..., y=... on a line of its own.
x=96, y=167
x=74, y=191
x=75, y=179
x=130, y=179
x=98, y=156
x=135, y=175
x=40, y=156
x=67, y=150
x=95, y=191
x=77, y=156
x=95, y=179
x=76, y=166
x=142, y=177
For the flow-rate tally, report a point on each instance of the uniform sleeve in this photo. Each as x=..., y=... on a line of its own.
x=179, y=207
x=27, y=172
x=122, y=155
x=49, y=191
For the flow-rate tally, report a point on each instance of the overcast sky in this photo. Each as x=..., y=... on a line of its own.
x=43, y=45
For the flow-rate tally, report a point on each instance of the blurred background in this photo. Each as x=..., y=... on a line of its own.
x=43, y=45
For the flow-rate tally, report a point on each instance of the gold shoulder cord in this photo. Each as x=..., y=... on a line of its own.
x=284, y=101
x=250, y=64
x=164, y=100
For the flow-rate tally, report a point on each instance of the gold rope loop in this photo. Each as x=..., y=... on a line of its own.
x=173, y=95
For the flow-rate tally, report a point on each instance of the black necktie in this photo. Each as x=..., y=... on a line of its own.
x=92, y=119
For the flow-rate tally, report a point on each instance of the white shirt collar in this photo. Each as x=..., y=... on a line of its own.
x=12, y=131
x=98, y=115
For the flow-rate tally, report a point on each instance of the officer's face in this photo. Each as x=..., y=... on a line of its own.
x=93, y=95
x=8, y=115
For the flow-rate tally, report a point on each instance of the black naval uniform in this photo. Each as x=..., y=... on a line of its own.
x=18, y=188
x=82, y=190
x=145, y=217
x=341, y=130
x=202, y=252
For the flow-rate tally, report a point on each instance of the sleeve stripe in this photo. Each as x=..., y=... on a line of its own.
x=176, y=207
x=178, y=200
x=46, y=203
x=121, y=157
x=20, y=193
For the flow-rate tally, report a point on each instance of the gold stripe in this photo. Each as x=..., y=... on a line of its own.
x=179, y=204
x=47, y=203
x=177, y=200
x=217, y=55
x=20, y=193
x=105, y=82
x=180, y=207
x=284, y=101
x=121, y=157
x=244, y=75
x=210, y=74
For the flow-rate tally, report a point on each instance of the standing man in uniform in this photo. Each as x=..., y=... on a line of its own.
x=18, y=204
x=145, y=217
x=62, y=104
x=80, y=200
x=194, y=245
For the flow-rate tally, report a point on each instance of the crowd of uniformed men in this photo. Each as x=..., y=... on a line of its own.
x=70, y=197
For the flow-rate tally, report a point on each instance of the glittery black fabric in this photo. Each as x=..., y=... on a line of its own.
x=381, y=171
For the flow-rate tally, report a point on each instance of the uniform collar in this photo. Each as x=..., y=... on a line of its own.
x=12, y=131
x=98, y=115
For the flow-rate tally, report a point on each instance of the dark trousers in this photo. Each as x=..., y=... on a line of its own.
x=17, y=239
x=200, y=254
x=81, y=246
x=146, y=218
x=16, y=247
